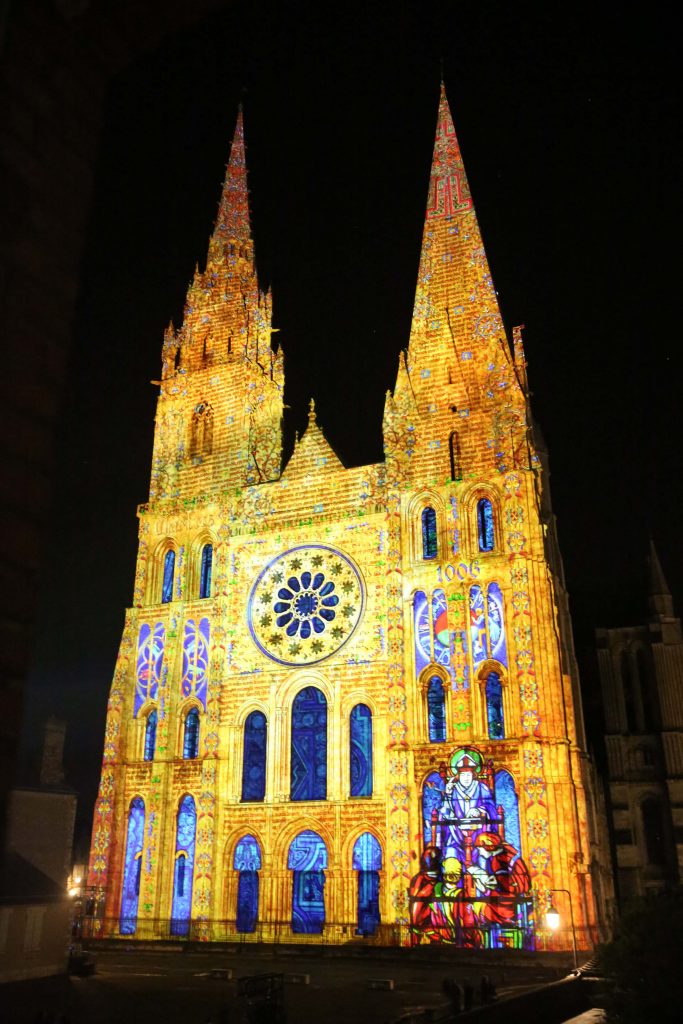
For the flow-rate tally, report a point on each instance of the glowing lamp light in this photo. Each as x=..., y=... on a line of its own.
x=73, y=891
x=552, y=918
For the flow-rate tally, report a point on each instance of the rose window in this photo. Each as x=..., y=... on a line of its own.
x=305, y=605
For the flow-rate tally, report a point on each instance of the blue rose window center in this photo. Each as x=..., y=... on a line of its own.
x=306, y=604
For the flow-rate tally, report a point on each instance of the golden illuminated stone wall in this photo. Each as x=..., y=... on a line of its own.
x=457, y=429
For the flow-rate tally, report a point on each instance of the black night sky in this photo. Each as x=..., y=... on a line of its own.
x=567, y=126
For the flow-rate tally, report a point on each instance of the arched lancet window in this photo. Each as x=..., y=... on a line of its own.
x=309, y=745
x=507, y=804
x=247, y=860
x=485, y=531
x=254, y=757
x=436, y=710
x=191, y=735
x=307, y=861
x=150, y=735
x=627, y=690
x=205, y=571
x=367, y=861
x=132, y=867
x=181, y=908
x=432, y=799
x=429, y=536
x=201, y=430
x=494, y=707
x=361, y=750
x=169, y=570
x=454, y=452
x=653, y=828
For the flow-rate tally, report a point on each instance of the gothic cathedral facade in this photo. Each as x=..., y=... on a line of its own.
x=345, y=702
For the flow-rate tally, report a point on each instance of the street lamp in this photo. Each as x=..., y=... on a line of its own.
x=552, y=919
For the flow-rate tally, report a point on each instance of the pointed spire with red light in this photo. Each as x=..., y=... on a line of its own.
x=232, y=221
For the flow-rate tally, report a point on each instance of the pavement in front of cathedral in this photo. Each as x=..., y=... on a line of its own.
x=143, y=987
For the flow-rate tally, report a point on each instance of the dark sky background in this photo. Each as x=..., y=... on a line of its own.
x=568, y=129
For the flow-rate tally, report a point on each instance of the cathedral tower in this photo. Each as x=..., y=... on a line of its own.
x=345, y=699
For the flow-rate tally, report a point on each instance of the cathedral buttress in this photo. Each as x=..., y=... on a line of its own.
x=219, y=416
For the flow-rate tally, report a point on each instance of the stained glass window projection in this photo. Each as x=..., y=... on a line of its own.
x=167, y=583
x=181, y=907
x=309, y=745
x=205, y=571
x=361, y=750
x=436, y=710
x=149, y=663
x=422, y=632
x=254, y=757
x=247, y=861
x=367, y=861
x=307, y=861
x=442, y=640
x=191, y=735
x=432, y=799
x=478, y=638
x=506, y=799
x=429, y=538
x=130, y=891
x=494, y=707
x=496, y=624
x=195, y=659
x=150, y=735
x=485, y=532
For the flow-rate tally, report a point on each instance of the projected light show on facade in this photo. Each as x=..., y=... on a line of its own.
x=345, y=704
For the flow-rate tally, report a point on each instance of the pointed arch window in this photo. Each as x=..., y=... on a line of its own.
x=494, y=707
x=367, y=861
x=186, y=829
x=309, y=745
x=485, y=525
x=205, y=571
x=247, y=861
x=361, y=750
x=628, y=693
x=201, y=431
x=507, y=807
x=169, y=572
x=653, y=827
x=191, y=735
x=132, y=867
x=254, y=757
x=429, y=535
x=436, y=710
x=150, y=735
x=307, y=861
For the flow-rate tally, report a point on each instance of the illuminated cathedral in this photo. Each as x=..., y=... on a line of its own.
x=345, y=706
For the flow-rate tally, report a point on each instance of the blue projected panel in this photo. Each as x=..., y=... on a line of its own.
x=361, y=751
x=367, y=853
x=309, y=745
x=167, y=584
x=367, y=861
x=506, y=798
x=254, y=757
x=150, y=659
x=195, y=659
x=181, y=908
x=130, y=892
x=496, y=624
x=307, y=860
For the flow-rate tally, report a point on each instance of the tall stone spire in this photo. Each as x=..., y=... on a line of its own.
x=659, y=595
x=459, y=363
x=232, y=222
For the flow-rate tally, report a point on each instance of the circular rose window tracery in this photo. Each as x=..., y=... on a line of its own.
x=305, y=604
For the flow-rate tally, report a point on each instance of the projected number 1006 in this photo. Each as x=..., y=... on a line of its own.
x=462, y=571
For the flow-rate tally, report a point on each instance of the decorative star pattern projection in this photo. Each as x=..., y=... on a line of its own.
x=305, y=605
